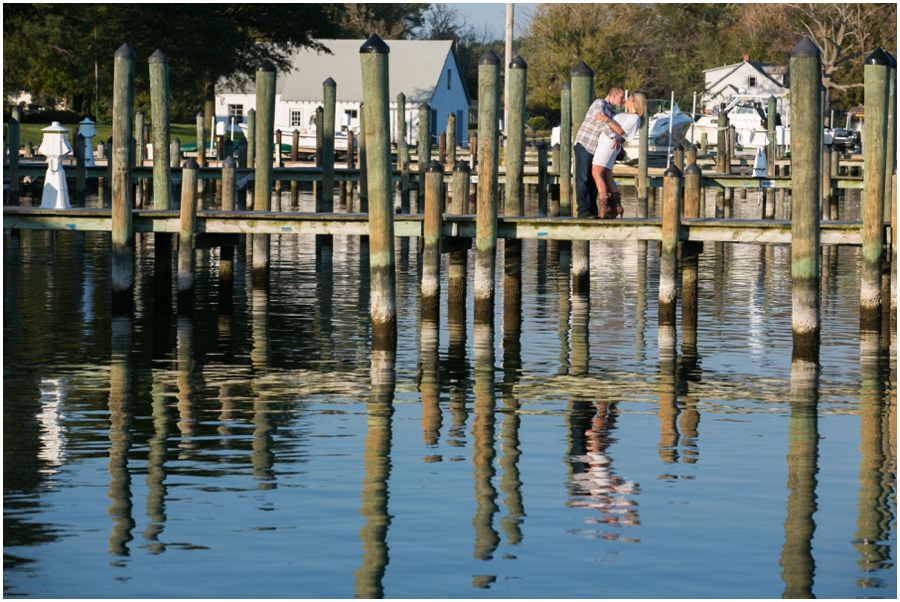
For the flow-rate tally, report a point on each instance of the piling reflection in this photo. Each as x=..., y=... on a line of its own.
x=797, y=562
x=876, y=482
x=429, y=382
x=668, y=397
x=156, y=465
x=483, y=451
x=581, y=347
x=510, y=481
x=377, y=466
x=120, y=436
x=640, y=310
x=186, y=386
x=559, y=260
x=457, y=372
x=262, y=457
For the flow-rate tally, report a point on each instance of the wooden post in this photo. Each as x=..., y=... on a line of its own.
x=770, y=149
x=12, y=135
x=582, y=78
x=80, y=181
x=363, y=163
x=242, y=150
x=473, y=150
x=423, y=151
x=515, y=147
x=690, y=154
x=704, y=143
x=553, y=207
x=894, y=243
x=829, y=205
x=122, y=276
x=692, y=190
x=690, y=252
x=139, y=137
x=668, y=259
x=442, y=148
x=678, y=158
x=431, y=235
x=201, y=141
x=374, y=63
x=329, y=92
x=403, y=165
x=188, y=215
x=451, y=141
x=565, y=150
x=401, y=119
x=542, y=179
x=458, y=259
x=226, y=252
x=29, y=150
x=806, y=179
x=159, y=105
x=721, y=134
x=891, y=148
x=295, y=145
x=175, y=154
x=346, y=187
x=486, y=221
x=876, y=74
x=265, y=131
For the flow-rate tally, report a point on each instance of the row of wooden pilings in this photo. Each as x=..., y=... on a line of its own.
x=681, y=191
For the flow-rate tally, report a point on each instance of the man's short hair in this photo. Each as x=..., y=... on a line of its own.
x=616, y=89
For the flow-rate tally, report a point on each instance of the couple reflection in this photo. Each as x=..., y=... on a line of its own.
x=595, y=483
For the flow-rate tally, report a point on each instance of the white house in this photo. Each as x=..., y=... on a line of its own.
x=425, y=71
x=746, y=77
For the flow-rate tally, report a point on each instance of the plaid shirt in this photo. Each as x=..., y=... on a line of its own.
x=591, y=128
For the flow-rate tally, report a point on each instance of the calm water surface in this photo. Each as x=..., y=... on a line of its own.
x=257, y=447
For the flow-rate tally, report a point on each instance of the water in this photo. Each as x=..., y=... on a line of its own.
x=261, y=449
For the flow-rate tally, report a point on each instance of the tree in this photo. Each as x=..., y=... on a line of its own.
x=395, y=21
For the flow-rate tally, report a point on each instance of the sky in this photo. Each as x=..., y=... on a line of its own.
x=494, y=15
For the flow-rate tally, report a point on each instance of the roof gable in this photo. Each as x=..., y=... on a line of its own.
x=415, y=67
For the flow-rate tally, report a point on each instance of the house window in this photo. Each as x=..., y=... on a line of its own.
x=459, y=125
x=236, y=111
x=434, y=122
x=449, y=78
x=752, y=82
x=296, y=118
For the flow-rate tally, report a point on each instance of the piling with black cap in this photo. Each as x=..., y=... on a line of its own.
x=265, y=132
x=457, y=260
x=486, y=219
x=515, y=145
x=329, y=89
x=431, y=238
x=565, y=150
x=122, y=276
x=668, y=259
x=582, y=78
x=160, y=128
x=876, y=72
x=423, y=151
x=806, y=180
x=374, y=63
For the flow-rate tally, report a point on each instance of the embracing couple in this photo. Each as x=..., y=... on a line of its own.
x=597, y=144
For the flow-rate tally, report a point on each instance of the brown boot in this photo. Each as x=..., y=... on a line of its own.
x=615, y=200
x=603, y=206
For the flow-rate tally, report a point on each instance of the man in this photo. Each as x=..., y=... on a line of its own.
x=594, y=126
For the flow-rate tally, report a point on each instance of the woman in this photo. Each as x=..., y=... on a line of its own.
x=626, y=125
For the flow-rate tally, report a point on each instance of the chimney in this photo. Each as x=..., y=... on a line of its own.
x=746, y=57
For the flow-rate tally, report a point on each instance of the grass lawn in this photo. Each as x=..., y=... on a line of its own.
x=186, y=133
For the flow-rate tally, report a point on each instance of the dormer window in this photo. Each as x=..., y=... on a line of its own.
x=449, y=73
x=752, y=82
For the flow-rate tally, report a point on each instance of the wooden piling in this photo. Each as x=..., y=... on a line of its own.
x=457, y=260
x=188, y=223
x=242, y=150
x=122, y=276
x=668, y=259
x=690, y=252
x=876, y=74
x=29, y=150
x=451, y=141
x=431, y=235
x=692, y=190
x=829, y=200
x=201, y=140
x=403, y=166
x=159, y=105
x=175, y=154
x=542, y=179
x=894, y=244
x=329, y=94
x=486, y=221
x=721, y=150
x=423, y=151
x=12, y=136
x=401, y=118
x=806, y=179
x=226, y=253
x=891, y=148
x=565, y=150
x=265, y=132
x=374, y=64
x=582, y=78
x=442, y=148
x=80, y=180
x=363, y=163
x=515, y=147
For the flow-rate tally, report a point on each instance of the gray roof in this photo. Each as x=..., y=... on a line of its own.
x=414, y=67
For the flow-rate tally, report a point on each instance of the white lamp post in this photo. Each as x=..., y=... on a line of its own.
x=55, y=146
x=86, y=129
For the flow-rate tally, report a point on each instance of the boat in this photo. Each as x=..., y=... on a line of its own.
x=746, y=112
x=662, y=112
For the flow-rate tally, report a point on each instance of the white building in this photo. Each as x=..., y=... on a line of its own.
x=746, y=77
x=425, y=71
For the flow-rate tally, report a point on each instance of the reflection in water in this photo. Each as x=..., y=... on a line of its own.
x=596, y=485
x=120, y=436
x=430, y=384
x=510, y=482
x=558, y=256
x=156, y=465
x=457, y=372
x=483, y=452
x=186, y=385
x=668, y=406
x=377, y=465
x=876, y=482
x=797, y=560
x=52, y=437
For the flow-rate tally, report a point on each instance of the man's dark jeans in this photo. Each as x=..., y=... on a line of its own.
x=585, y=187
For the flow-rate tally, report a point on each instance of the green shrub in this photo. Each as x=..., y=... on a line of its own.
x=538, y=123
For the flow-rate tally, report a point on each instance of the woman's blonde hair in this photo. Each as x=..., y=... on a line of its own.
x=640, y=104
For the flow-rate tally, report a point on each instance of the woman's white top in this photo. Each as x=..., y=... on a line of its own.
x=605, y=156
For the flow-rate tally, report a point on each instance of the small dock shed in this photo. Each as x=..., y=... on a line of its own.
x=746, y=77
